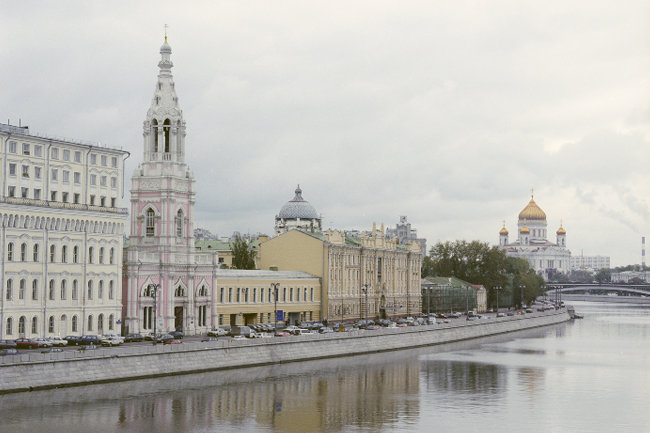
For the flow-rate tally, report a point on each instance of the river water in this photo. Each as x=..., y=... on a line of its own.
x=591, y=375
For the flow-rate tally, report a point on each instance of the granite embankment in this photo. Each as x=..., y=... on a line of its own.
x=33, y=371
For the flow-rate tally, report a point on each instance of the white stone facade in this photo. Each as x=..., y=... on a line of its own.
x=589, y=263
x=62, y=228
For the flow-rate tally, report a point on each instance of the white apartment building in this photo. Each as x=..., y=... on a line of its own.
x=62, y=227
x=589, y=263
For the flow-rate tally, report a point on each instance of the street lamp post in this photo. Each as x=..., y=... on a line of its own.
x=497, y=288
x=364, y=290
x=154, y=294
x=276, y=288
x=521, y=286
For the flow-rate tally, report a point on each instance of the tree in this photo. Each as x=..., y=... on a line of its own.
x=243, y=254
x=604, y=276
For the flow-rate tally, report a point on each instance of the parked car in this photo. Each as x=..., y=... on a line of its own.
x=133, y=338
x=73, y=340
x=58, y=341
x=110, y=341
x=89, y=340
x=42, y=342
x=325, y=330
x=217, y=332
x=8, y=344
x=163, y=338
x=26, y=343
x=178, y=335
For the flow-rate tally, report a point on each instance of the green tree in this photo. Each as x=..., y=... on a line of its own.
x=243, y=254
x=604, y=276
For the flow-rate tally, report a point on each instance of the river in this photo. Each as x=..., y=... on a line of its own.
x=590, y=375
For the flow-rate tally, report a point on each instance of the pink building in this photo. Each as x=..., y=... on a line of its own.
x=161, y=255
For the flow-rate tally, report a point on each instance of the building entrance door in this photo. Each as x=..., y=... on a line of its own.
x=178, y=318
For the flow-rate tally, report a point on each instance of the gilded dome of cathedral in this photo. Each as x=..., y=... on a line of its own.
x=561, y=231
x=524, y=230
x=532, y=212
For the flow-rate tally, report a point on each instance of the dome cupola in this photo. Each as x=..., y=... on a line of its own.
x=297, y=213
x=532, y=212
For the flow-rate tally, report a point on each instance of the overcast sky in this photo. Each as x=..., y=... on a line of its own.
x=447, y=112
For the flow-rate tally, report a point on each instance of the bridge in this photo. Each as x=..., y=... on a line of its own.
x=640, y=290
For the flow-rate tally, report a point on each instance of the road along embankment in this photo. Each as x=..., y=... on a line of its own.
x=34, y=371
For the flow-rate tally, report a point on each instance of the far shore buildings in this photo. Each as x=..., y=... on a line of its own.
x=544, y=256
x=405, y=234
x=62, y=225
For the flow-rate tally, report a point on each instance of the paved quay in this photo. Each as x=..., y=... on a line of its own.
x=32, y=371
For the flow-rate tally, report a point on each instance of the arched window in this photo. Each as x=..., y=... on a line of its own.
x=23, y=252
x=111, y=320
x=203, y=291
x=63, y=290
x=75, y=290
x=101, y=255
x=91, y=253
x=64, y=254
x=34, y=325
x=155, y=134
x=111, y=256
x=50, y=325
x=75, y=254
x=75, y=321
x=111, y=291
x=63, y=326
x=10, y=326
x=21, y=325
x=35, y=290
x=52, y=253
x=90, y=290
x=9, y=295
x=35, y=254
x=166, y=128
x=51, y=290
x=100, y=290
x=21, y=289
x=179, y=292
x=150, y=222
x=179, y=223
x=100, y=323
x=10, y=251
x=90, y=322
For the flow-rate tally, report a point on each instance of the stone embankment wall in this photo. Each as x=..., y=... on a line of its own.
x=41, y=371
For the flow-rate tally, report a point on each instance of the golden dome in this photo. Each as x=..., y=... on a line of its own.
x=524, y=230
x=532, y=212
x=503, y=231
x=561, y=231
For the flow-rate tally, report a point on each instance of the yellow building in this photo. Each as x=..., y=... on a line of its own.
x=248, y=297
x=362, y=276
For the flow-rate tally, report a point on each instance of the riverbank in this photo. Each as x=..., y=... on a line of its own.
x=607, y=299
x=34, y=371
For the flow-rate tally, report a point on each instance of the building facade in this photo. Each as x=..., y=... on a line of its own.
x=404, y=234
x=545, y=257
x=62, y=235
x=167, y=280
x=589, y=263
x=368, y=276
x=297, y=213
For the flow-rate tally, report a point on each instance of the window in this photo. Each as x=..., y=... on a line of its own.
x=37, y=172
x=93, y=179
x=12, y=169
x=238, y=294
x=34, y=290
x=150, y=221
x=25, y=171
x=179, y=292
x=55, y=153
x=64, y=254
x=77, y=177
x=38, y=150
x=90, y=290
x=100, y=290
x=53, y=196
x=66, y=176
x=24, y=192
x=114, y=162
x=21, y=289
x=12, y=146
x=76, y=198
x=34, y=325
x=111, y=290
x=75, y=290
x=92, y=200
x=51, y=290
x=284, y=294
x=10, y=251
x=64, y=197
x=10, y=325
x=113, y=201
x=312, y=294
x=37, y=193
x=179, y=223
x=64, y=288
x=23, y=252
x=230, y=294
x=50, y=325
x=8, y=294
x=102, y=201
x=102, y=180
x=221, y=295
x=103, y=159
x=75, y=255
x=101, y=255
x=111, y=256
x=11, y=191
x=75, y=325
x=77, y=156
x=91, y=253
x=25, y=148
x=110, y=322
x=66, y=155
x=113, y=182
x=52, y=253
x=21, y=325
x=291, y=294
x=55, y=174
x=93, y=159
x=90, y=322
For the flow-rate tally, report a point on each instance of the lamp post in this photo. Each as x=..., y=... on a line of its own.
x=521, y=286
x=364, y=290
x=497, y=288
x=154, y=294
x=276, y=288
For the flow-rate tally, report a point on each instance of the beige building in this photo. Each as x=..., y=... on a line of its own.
x=247, y=297
x=361, y=276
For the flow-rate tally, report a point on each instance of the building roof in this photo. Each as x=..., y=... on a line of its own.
x=532, y=212
x=298, y=208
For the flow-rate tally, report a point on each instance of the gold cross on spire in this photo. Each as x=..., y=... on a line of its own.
x=531, y=190
x=166, y=26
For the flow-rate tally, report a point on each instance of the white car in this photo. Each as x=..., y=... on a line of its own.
x=110, y=340
x=58, y=341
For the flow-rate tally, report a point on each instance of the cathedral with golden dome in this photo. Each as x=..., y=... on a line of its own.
x=546, y=257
